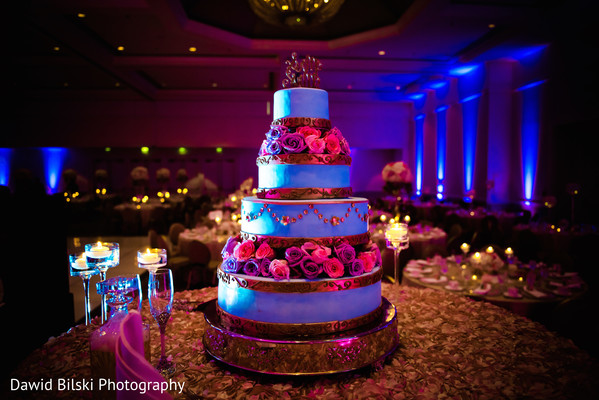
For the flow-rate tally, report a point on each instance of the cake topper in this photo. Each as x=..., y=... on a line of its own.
x=302, y=73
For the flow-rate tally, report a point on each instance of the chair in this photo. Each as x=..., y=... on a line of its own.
x=198, y=272
x=173, y=234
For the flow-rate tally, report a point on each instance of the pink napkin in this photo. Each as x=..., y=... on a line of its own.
x=131, y=366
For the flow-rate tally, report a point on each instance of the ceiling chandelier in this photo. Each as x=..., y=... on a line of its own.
x=295, y=13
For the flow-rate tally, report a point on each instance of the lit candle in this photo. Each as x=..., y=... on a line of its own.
x=407, y=219
x=148, y=258
x=383, y=218
x=509, y=251
x=476, y=257
x=396, y=232
x=80, y=263
x=98, y=251
x=474, y=277
x=465, y=247
x=217, y=219
x=490, y=250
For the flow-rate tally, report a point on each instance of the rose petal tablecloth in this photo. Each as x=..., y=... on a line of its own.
x=450, y=347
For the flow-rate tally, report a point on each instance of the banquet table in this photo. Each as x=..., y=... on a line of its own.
x=450, y=347
x=541, y=299
x=144, y=210
x=425, y=241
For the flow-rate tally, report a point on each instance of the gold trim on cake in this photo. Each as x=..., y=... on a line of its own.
x=299, y=286
x=296, y=122
x=304, y=158
x=303, y=193
x=273, y=330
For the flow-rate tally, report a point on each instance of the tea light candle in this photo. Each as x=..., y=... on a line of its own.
x=148, y=258
x=490, y=250
x=509, y=251
x=465, y=247
x=80, y=263
x=98, y=251
x=476, y=257
x=407, y=219
x=396, y=232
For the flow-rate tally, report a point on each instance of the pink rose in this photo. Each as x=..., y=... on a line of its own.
x=244, y=250
x=279, y=269
x=333, y=144
x=309, y=247
x=333, y=268
x=315, y=145
x=369, y=259
x=265, y=251
x=321, y=254
x=308, y=131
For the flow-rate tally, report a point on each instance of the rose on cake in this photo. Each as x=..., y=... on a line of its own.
x=305, y=139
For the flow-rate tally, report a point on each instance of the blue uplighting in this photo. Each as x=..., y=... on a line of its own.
x=470, y=122
x=53, y=160
x=530, y=85
x=5, y=155
x=462, y=70
x=419, y=151
x=531, y=98
x=441, y=142
x=469, y=98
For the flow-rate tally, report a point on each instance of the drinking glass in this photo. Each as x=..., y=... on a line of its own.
x=103, y=255
x=160, y=294
x=79, y=267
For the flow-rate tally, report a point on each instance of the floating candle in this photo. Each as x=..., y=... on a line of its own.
x=490, y=250
x=396, y=232
x=98, y=251
x=465, y=247
x=80, y=263
x=509, y=251
x=148, y=257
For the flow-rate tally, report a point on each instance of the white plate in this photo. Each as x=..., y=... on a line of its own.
x=433, y=280
x=506, y=294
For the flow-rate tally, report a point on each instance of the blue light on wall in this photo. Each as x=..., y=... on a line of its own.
x=419, y=151
x=5, y=155
x=470, y=122
x=53, y=161
x=441, y=148
x=462, y=70
x=531, y=96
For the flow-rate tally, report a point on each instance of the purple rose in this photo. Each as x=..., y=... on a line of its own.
x=345, y=252
x=251, y=267
x=275, y=132
x=231, y=265
x=273, y=147
x=293, y=142
x=356, y=267
x=229, y=247
x=264, y=267
x=294, y=255
x=310, y=269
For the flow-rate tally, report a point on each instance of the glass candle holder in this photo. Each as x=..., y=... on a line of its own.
x=78, y=266
x=397, y=238
x=151, y=258
x=102, y=256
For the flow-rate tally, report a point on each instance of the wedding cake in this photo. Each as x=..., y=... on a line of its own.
x=303, y=276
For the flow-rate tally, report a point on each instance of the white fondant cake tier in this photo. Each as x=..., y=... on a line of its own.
x=299, y=306
x=303, y=176
x=301, y=102
x=304, y=218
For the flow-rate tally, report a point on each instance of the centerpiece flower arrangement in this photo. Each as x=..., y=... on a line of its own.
x=307, y=261
x=398, y=178
x=140, y=178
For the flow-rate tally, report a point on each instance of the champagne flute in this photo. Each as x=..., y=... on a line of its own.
x=160, y=294
x=79, y=267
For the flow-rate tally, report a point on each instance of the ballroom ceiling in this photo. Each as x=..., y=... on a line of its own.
x=190, y=49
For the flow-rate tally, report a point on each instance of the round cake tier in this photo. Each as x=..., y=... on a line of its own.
x=299, y=301
x=335, y=353
x=304, y=218
x=302, y=181
x=301, y=102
